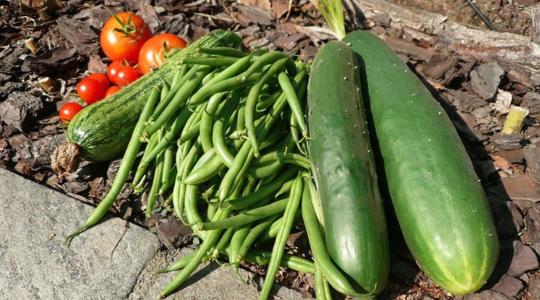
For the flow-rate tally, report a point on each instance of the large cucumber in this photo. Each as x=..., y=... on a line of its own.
x=344, y=169
x=439, y=202
x=103, y=130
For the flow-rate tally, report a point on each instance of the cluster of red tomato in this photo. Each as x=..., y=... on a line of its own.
x=128, y=43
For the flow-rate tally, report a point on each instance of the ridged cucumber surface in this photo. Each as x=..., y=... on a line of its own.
x=102, y=130
x=344, y=169
x=439, y=201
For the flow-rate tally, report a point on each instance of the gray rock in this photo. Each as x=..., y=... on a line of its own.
x=532, y=156
x=524, y=260
x=485, y=79
x=211, y=281
x=486, y=295
x=508, y=286
x=507, y=141
x=102, y=263
x=531, y=101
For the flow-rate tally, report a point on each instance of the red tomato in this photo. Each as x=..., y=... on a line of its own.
x=69, y=110
x=91, y=90
x=153, y=52
x=123, y=35
x=112, y=90
x=127, y=75
x=113, y=68
x=101, y=78
x=121, y=73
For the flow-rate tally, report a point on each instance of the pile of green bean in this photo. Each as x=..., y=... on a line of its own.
x=223, y=147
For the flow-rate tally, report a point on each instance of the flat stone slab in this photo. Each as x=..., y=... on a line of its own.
x=35, y=264
x=210, y=282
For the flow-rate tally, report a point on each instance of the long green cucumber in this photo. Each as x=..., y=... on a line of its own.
x=102, y=130
x=439, y=202
x=344, y=169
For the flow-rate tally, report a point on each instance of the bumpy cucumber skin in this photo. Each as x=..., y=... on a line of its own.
x=439, y=202
x=344, y=169
x=102, y=130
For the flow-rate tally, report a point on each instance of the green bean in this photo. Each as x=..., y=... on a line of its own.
x=179, y=75
x=207, y=119
x=156, y=182
x=192, y=211
x=163, y=143
x=174, y=90
x=236, y=242
x=320, y=284
x=275, y=228
x=285, y=157
x=281, y=239
x=179, y=99
x=167, y=174
x=252, y=99
x=318, y=248
x=235, y=171
x=231, y=71
x=218, y=132
x=251, y=238
x=179, y=264
x=240, y=126
x=123, y=171
x=187, y=164
x=289, y=261
x=164, y=91
x=247, y=217
x=293, y=101
x=166, y=185
x=285, y=188
x=262, y=193
x=224, y=240
x=191, y=129
x=265, y=170
x=224, y=51
x=225, y=85
x=210, y=212
x=139, y=174
x=177, y=183
x=208, y=166
x=266, y=59
x=316, y=202
x=210, y=61
x=207, y=244
x=266, y=102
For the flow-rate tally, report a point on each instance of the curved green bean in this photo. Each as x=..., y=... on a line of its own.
x=281, y=239
x=123, y=171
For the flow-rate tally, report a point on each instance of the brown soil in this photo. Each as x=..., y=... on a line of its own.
x=506, y=15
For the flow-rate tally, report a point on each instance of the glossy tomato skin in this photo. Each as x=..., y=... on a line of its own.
x=152, y=53
x=112, y=90
x=123, y=40
x=113, y=69
x=101, y=78
x=91, y=90
x=69, y=110
x=121, y=73
x=127, y=75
